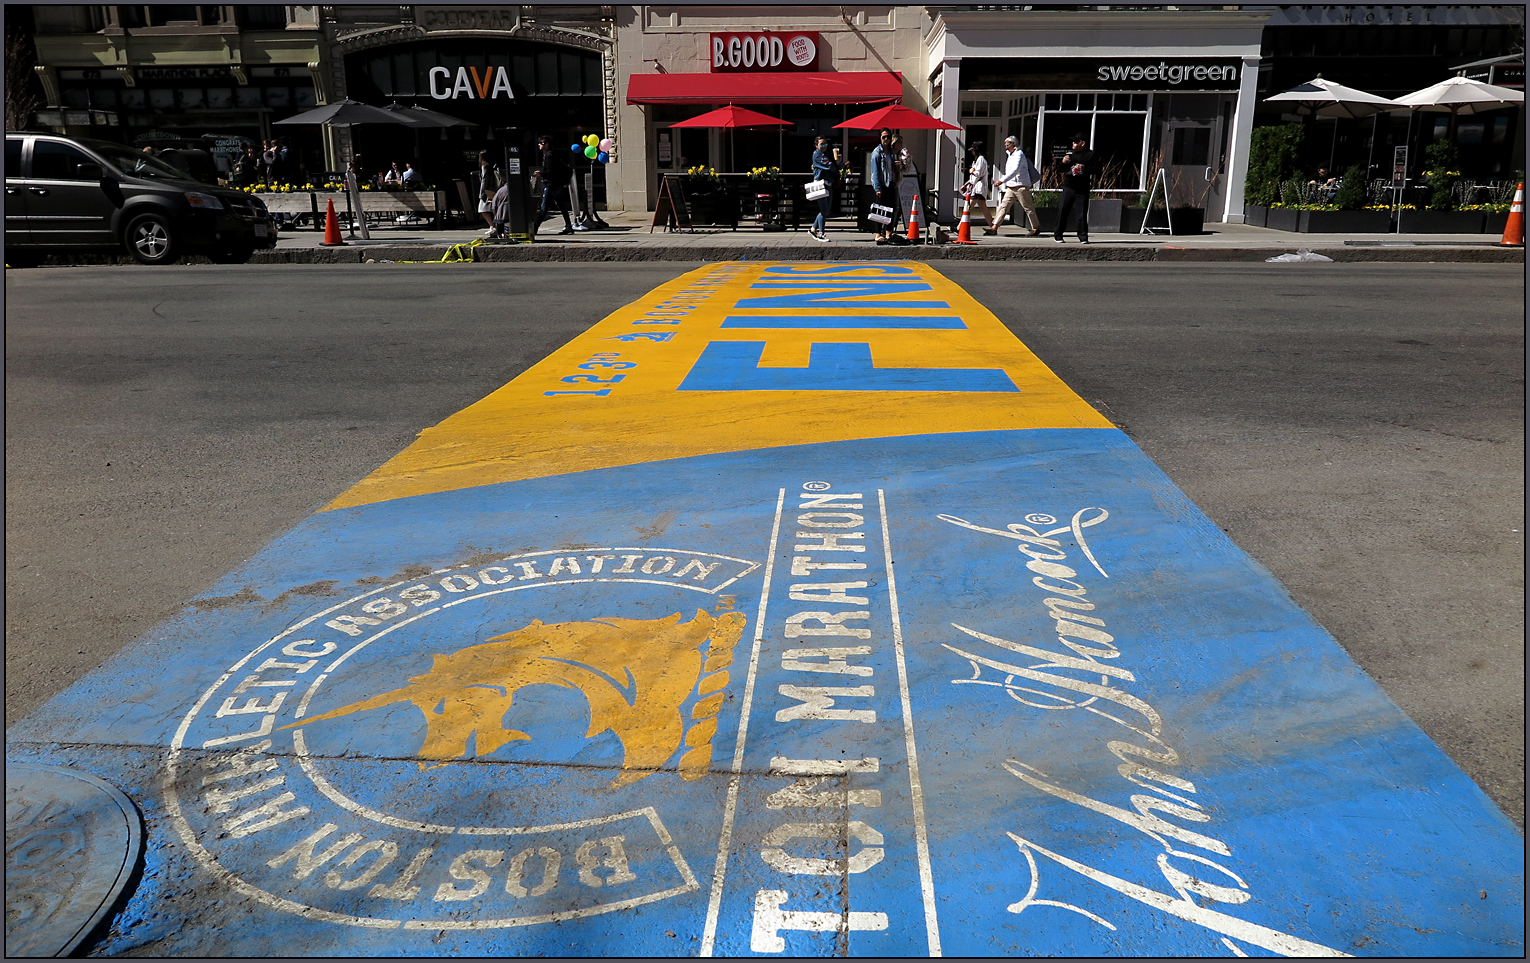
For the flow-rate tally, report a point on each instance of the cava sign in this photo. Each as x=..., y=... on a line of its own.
x=737, y=52
x=470, y=83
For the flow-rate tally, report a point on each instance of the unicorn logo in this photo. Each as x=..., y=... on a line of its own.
x=635, y=674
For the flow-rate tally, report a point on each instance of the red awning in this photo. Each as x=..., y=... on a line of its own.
x=857, y=87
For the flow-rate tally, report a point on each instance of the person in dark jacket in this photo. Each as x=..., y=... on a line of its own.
x=555, y=173
x=1078, y=179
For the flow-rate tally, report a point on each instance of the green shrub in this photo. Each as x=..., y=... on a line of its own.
x=1440, y=158
x=1351, y=196
x=1272, y=158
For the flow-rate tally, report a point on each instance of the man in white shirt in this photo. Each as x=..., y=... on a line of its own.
x=1016, y=182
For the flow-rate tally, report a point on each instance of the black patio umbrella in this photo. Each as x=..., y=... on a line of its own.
x=425, y=117
x=349, y=113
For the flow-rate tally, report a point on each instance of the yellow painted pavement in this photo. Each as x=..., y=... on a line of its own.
x=520, y=431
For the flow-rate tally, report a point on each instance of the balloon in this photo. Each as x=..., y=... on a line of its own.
x=606, y=144
x=591, y=153
x=576, y=148
x=593, y=140
x=603, y=157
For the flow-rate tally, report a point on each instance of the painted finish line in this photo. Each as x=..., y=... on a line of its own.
x=853, y=689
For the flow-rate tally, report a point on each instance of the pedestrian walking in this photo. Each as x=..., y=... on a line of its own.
x=487, y=185
x=882, y=182
x=823, y=170
x=907, y=177
x=1016, y=180
x=268, y=162
x=977, y=183
x=555, y=174
x=501, y=209
x=1078, y=179
x=246, y=168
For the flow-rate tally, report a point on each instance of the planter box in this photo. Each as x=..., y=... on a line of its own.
x=1441, y=222
x=1494, y=224
x=1255, y=215
x=1345, y=222
x=291, y=203
x=1105, y=217
x=1280, y=219
x=1187, y=220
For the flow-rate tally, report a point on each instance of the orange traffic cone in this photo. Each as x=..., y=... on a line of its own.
x=332, y=236
x=914, y=224
x=1514, y=228
x=964, y=229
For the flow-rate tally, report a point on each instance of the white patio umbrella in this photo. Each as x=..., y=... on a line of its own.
x=1460, y=95
x=1324, y=98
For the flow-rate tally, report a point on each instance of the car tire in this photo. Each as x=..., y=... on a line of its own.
x=151, y=240
x=232, y=255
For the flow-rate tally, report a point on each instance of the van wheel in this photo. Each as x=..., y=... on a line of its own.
x=231, y=255
x=150, y=240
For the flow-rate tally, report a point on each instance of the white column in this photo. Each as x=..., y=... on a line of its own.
x=1242, y=136
x=948, y=145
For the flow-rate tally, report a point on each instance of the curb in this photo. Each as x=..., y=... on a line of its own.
x=576, y=253
x=584, y=253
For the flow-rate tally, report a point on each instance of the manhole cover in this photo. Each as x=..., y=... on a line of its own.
x=70, y=843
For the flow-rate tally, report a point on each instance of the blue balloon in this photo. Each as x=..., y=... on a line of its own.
x=603, y=157
x=576, y=148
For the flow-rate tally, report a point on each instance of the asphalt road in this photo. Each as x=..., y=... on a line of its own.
x=1358, y=429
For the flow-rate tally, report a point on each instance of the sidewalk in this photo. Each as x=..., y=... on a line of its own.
x=630, y=239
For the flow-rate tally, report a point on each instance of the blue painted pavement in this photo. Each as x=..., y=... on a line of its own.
x=974, y=693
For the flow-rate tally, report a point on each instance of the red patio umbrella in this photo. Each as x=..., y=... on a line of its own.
x=898, y=117
x=730, y=117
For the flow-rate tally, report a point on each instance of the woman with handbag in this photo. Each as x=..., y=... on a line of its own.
x=977, y=183
x=821, y=188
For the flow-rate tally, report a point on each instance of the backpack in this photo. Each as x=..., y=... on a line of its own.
x=1035, y=174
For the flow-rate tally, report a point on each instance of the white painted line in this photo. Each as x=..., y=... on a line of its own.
x=916, y=788
x=725, y=840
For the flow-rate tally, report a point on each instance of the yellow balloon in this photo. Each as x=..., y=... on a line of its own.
x=593, y=140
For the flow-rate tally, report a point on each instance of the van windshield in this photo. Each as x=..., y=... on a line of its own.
x=136, y=163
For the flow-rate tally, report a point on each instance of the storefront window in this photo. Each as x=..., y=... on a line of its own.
x=164, y=15
x=1192, y=146
x=265, y=15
